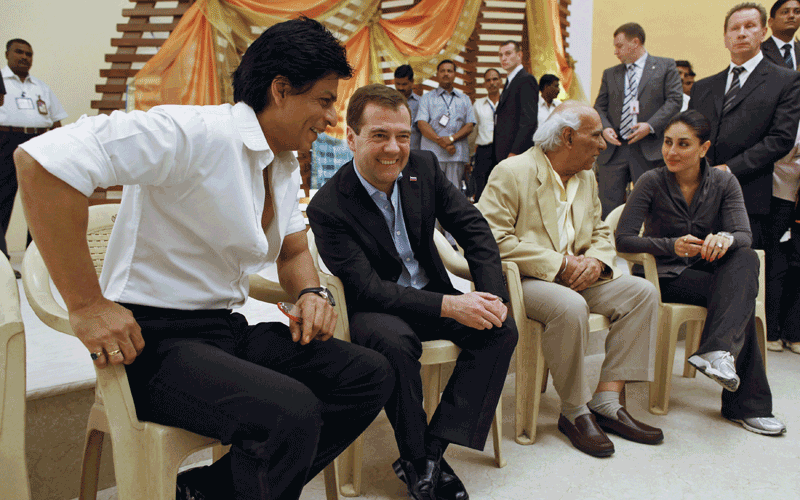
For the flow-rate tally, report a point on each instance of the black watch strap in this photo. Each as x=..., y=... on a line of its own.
x=321, y=291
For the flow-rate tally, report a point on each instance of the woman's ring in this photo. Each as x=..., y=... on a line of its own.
x=719, y=245
x=96, y=355
x=687, y=254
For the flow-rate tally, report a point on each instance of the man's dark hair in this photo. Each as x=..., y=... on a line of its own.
x=404, y=71
x=16, y=40
x=445, y=61
x=746, y=6
x=631, y=31
x=695, y=121
x=685, y=64
x=774, y=9
x=491, y=69
x=376, y=93
x=517, y=45
x=301, y=50
x=547, y=79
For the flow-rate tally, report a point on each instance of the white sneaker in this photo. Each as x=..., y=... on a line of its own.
x=775, y=345
x=768, y=426
x=793, y=346
x=719, y=367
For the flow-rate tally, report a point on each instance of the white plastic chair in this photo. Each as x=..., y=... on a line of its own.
x=14, y=483
x=672, y=316
x=146, y=455
x=435, y=354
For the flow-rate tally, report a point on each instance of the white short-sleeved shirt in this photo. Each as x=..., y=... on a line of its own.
x=20, y=108
x=188, y=233
x=484, y=110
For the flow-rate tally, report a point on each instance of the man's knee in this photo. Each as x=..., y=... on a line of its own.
x=386, y=334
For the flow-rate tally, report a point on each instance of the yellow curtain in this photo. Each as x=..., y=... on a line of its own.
x=547, y=46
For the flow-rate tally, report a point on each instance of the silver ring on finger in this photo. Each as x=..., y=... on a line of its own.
x=719, y=245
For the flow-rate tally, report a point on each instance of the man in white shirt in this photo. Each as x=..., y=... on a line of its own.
x=549, y=88
x=485, y=109
x=404, y=83
x=781, y=48
x=210, y=198
x=29, y=109
x=687, y=80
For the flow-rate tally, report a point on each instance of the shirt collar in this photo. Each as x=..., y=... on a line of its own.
x=780, y=43
x=439, y=91
x=750, y=65
x=639, y=63
x=413, y=97
x=372, y=190
x=514, y=73
x=7, y=73
x=246, y=121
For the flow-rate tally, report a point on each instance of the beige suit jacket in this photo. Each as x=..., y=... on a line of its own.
x=520, y=205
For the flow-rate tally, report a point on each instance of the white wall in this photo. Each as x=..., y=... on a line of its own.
x=69, y=40
x=579, y=38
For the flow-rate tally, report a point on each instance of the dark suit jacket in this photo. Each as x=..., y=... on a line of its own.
x=517, y=116
x=354, y=240
x=759, y=130
x=770, y=50
x=660, y=98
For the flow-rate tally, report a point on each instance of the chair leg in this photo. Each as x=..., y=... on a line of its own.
x=530, y=371
x=331, y=475
x=348, y=466
x=694, y=332
x=497, y=435
x=661, y=386
x=545, y=376
x=90, y=468
x=761, y=335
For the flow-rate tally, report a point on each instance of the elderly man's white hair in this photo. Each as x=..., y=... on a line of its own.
x=566, y=115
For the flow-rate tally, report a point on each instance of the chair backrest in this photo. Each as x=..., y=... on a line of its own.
x=12, y=388
x=112, y=387
x=613, y=220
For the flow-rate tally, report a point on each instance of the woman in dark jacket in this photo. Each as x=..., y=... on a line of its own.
x=696, y=226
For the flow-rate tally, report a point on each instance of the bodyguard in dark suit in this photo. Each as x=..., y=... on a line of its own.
x=374, y=223
x=754, y=108
x=518, y=108
x=636, y=100
x=781, y=48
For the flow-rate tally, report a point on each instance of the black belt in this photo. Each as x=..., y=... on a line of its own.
x=24, y=130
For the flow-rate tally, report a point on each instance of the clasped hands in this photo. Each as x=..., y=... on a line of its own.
x=714, y=247
x=580, y=272
x=638, y=132
x=479, y=310
x=444, y=143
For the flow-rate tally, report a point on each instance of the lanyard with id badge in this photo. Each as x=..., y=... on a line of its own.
x=445, y=119
x=24, y=103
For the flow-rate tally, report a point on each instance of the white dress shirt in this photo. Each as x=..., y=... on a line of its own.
x=749, y=66
x=544, y=110
x=786, y=174
x=565, y=197
x=780, y=43
x=188, y=233
x=484, y=115
x=20, y=108
x=513, y=73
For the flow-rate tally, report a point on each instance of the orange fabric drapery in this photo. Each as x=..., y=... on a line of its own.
x=424, y=29
x=567, y=72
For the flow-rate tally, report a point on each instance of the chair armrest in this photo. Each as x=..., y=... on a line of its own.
x=453, y=260
x=648, y=261
x=36, y=281
x=268, y=291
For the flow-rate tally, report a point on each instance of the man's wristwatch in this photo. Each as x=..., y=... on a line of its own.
x=321, y=291
x=451, y=139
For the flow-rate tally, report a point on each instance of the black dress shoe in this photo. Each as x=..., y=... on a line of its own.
x=450, y=486
x=421, y=485
x=629, y=428
x=586, y=435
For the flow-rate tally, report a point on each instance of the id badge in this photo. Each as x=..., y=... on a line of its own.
x=24, y=103
x=444, y=120
x=635, y=107
x=41, y=106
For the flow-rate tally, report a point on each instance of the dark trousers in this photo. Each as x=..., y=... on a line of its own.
x=287, y=410
x=767, y=232
x=728, y=289
x=8, y=180
x=625, y=166
x=483, y=167
x=464, y=415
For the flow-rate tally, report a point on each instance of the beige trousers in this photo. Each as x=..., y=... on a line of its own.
x=629, y=302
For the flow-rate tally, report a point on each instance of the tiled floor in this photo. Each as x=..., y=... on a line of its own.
x=703, y=455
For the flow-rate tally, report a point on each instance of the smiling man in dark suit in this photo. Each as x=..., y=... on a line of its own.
x=781, y=48
x=754, y=108
x=518, y=108
x=374, y=222
x=636, y=100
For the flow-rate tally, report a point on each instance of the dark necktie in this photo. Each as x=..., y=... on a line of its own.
x=787, y=56
x=630, y=95
x=731, y=94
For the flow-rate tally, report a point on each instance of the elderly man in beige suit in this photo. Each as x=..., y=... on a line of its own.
x=545, y=213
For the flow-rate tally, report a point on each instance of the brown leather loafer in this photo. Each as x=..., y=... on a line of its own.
x=586, y=435
x=629, y=428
